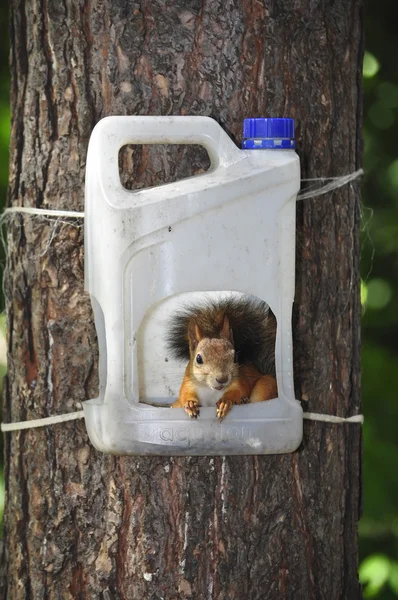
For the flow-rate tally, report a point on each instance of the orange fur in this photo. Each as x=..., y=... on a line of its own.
x=250, y=385
x=188, y=399
x=264, y=389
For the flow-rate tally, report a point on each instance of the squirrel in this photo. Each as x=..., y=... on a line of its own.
x=230, y=346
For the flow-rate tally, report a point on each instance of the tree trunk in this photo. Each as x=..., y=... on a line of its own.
x=79, y=524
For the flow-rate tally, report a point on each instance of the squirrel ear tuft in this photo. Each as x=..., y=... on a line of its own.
x=198, y=332
x=195, y=334
x=226, y=331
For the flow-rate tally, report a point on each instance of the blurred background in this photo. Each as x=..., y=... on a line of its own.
x=379, y=268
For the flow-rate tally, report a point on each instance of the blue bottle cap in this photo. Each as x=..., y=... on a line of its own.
x=268, y=133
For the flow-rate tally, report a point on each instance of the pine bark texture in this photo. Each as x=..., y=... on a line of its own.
x=79, y=524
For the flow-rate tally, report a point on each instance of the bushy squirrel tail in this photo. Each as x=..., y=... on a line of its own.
x=252, y=322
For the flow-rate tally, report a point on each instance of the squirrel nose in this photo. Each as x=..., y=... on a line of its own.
x=222, y=379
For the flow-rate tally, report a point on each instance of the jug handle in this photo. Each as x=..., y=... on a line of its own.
x=112, y=133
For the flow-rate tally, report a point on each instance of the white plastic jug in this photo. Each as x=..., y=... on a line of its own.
x=231, y=229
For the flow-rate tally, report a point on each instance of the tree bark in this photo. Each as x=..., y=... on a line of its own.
x=79, y=524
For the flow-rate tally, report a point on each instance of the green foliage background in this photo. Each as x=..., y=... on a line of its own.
x=379, y=266
x=379, y=525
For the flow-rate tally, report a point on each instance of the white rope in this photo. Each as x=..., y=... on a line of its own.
x=17, y=426
x=332, y=418
x=356, y=173
x=334, y=183
x=42, y=422
x=29, y=210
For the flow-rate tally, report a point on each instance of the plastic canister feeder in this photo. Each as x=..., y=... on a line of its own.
x=229, y=230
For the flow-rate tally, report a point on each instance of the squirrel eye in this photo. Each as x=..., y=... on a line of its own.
x=199, y=359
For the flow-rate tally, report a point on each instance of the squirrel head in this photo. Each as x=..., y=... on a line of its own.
x=212, y=358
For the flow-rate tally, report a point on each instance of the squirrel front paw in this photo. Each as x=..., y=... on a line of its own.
x=244, y=400
x=191, y=407
x=223, y=408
